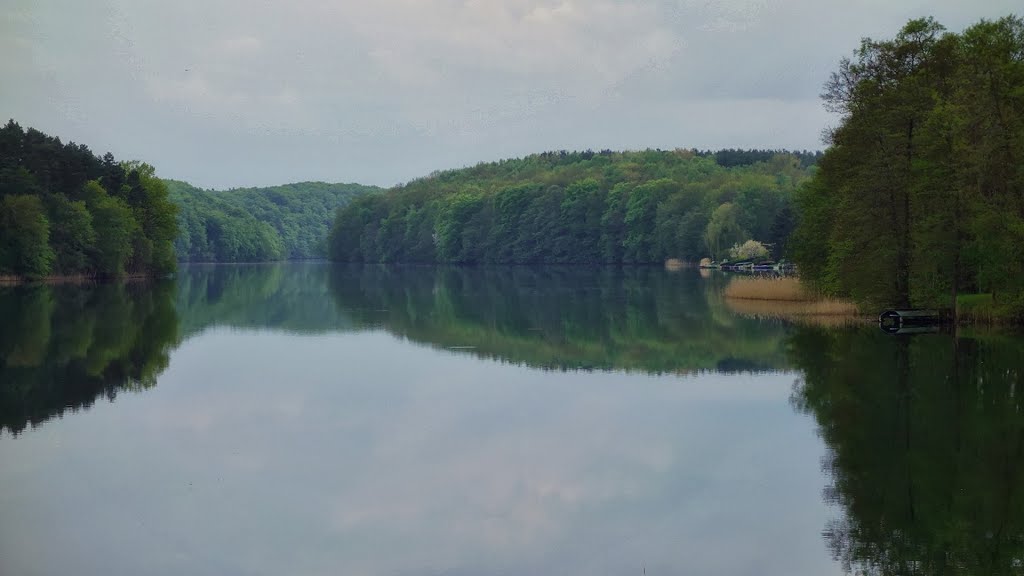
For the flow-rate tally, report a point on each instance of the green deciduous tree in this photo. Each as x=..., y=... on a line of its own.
x=114, y=226
x=723, y=230
x=24, y=237
x=157, y=218
x=73, y=238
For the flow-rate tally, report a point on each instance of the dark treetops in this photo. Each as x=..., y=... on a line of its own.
x=64, y=211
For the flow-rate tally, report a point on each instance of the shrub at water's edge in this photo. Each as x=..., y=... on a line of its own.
x=65, y=212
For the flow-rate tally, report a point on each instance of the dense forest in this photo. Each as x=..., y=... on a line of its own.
x=257, y=224
x=580, y=207
x=64, y=211
x=920, y=197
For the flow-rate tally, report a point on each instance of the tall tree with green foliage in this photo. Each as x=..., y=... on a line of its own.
x=73, y=241
x=24, y=236
x=157, y=218
x=114, y=226
x=723, y=230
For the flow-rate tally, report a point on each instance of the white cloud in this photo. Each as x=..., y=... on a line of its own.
x=241, y=45
x=384, y=91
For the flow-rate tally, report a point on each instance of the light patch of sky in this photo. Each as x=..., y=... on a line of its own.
x=230, y=92
x=440, y=463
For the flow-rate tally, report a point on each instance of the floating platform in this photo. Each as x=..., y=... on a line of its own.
x=912, y=321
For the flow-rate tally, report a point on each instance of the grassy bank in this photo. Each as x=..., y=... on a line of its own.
x=786, y=299
x=987, y=310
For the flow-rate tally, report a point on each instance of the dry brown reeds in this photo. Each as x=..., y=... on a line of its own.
x=674, y=265
x=787, y=299
x=786, y=289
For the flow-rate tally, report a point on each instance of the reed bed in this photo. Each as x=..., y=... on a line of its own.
x=786, y=289
x=787, y=299
x=674, y=265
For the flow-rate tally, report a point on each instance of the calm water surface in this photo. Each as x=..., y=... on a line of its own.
x=317, y=419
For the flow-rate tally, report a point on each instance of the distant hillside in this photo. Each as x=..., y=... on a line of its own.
x=581, y=207
x=257, y=224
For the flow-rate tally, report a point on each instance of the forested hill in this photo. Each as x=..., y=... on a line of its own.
x=257, y=224
x=65, y=211
x=580, y=207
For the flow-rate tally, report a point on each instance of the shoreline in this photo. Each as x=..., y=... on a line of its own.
x=787, y=299
x=76, y=279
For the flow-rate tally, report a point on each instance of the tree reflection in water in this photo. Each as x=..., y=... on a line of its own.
x=63, y=346
x=926, y=443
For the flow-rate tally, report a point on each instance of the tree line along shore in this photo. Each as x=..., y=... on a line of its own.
x=917, y=202
x=69, y=215
x=56, y=203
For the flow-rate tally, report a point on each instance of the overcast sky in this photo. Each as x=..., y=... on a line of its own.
x=226, y=93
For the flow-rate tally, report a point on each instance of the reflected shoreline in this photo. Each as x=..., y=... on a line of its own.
x=630, y=318
x=926, y=448
x=924, y=434
x=61, y=347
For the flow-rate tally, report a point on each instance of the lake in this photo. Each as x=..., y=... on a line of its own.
x=311, y=418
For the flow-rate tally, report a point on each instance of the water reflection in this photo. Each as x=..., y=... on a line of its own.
x=926, y=442
x=294, y=440
x=563, y=318
x=283, y=297
x=62, y=347
x=643, y=319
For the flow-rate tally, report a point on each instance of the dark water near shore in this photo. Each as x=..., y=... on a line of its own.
x=319, y=419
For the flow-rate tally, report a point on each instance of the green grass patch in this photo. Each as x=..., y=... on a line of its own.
x=976, y=307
